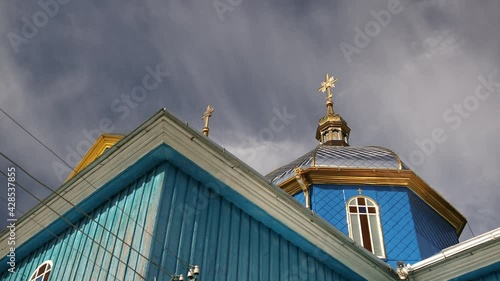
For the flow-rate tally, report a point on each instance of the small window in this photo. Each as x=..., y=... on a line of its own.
x=364, y=224
x=335, y=135
x=42, y=272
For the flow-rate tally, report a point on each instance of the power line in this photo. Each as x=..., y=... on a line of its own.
x=40, y=142
x=77, y=229
x=63, y=241
x=186, y=264
x=73, y=225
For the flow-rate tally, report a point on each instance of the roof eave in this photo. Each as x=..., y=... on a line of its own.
x=464, y=258
x=381, y=177
x=164, y=128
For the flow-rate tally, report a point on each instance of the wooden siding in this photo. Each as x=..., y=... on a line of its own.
x=92, y=252
x=197, y=226
x=180, y=221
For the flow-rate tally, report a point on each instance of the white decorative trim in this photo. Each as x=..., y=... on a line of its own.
x=468, y=256
x=34, y=275
x=370, y=230
x=164, y=128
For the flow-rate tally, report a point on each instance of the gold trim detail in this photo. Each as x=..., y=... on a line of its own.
x=315, y=151
x=331, y=122
x=304, y=184
x=403, y=178
x=102, y=143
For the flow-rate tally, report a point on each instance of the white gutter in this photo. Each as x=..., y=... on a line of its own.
x=164, y=128
x=456, y=249
x=463, y=258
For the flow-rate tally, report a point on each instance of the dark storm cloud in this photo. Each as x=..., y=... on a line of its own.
x=257, y=61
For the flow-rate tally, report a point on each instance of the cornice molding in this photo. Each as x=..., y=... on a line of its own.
x=381, y=177
x=100, y=145
x=164, y=128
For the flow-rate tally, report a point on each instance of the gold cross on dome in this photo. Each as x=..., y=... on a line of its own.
x=206, y=116
x=327, y=84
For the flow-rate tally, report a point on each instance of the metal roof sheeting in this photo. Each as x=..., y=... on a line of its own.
x=361, y=157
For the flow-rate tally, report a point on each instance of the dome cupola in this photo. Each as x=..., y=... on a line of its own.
x=332, y=129
x=369, y=194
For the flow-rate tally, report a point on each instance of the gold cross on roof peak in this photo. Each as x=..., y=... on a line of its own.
x=208, y=112
x=327, y=84
x=206, y=116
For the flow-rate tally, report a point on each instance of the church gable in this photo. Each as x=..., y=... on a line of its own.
x=95, y=246
x=166, y=201
x=102, y=143
x=197, y=226
x=288, y=229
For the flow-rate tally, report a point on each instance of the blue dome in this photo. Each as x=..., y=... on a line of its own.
x=360, y=157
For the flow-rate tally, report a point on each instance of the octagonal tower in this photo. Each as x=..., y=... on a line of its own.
x=368, y=193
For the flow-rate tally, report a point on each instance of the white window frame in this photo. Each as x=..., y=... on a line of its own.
x=378, y=226
x=48, y=268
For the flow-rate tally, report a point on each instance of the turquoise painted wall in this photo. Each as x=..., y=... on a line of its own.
x=76, y=254
x=201, y=227
x=412, y=230
x=163, y=220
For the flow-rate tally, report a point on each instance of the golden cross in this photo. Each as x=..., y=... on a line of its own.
x=206, y=116
x=327, y=84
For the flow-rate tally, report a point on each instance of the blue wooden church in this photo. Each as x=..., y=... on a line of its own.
x=166, y=203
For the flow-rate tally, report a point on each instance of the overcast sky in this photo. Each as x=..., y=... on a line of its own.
x=410, y=71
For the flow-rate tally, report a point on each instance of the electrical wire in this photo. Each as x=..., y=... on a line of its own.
x=186, y=264
x=78, y=229
x=63, y=241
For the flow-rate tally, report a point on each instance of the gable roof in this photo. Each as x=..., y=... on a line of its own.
x=289, y=218
x=101, y=144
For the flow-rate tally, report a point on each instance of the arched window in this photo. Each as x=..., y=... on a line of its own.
x=42, y=272
x=364, y=224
